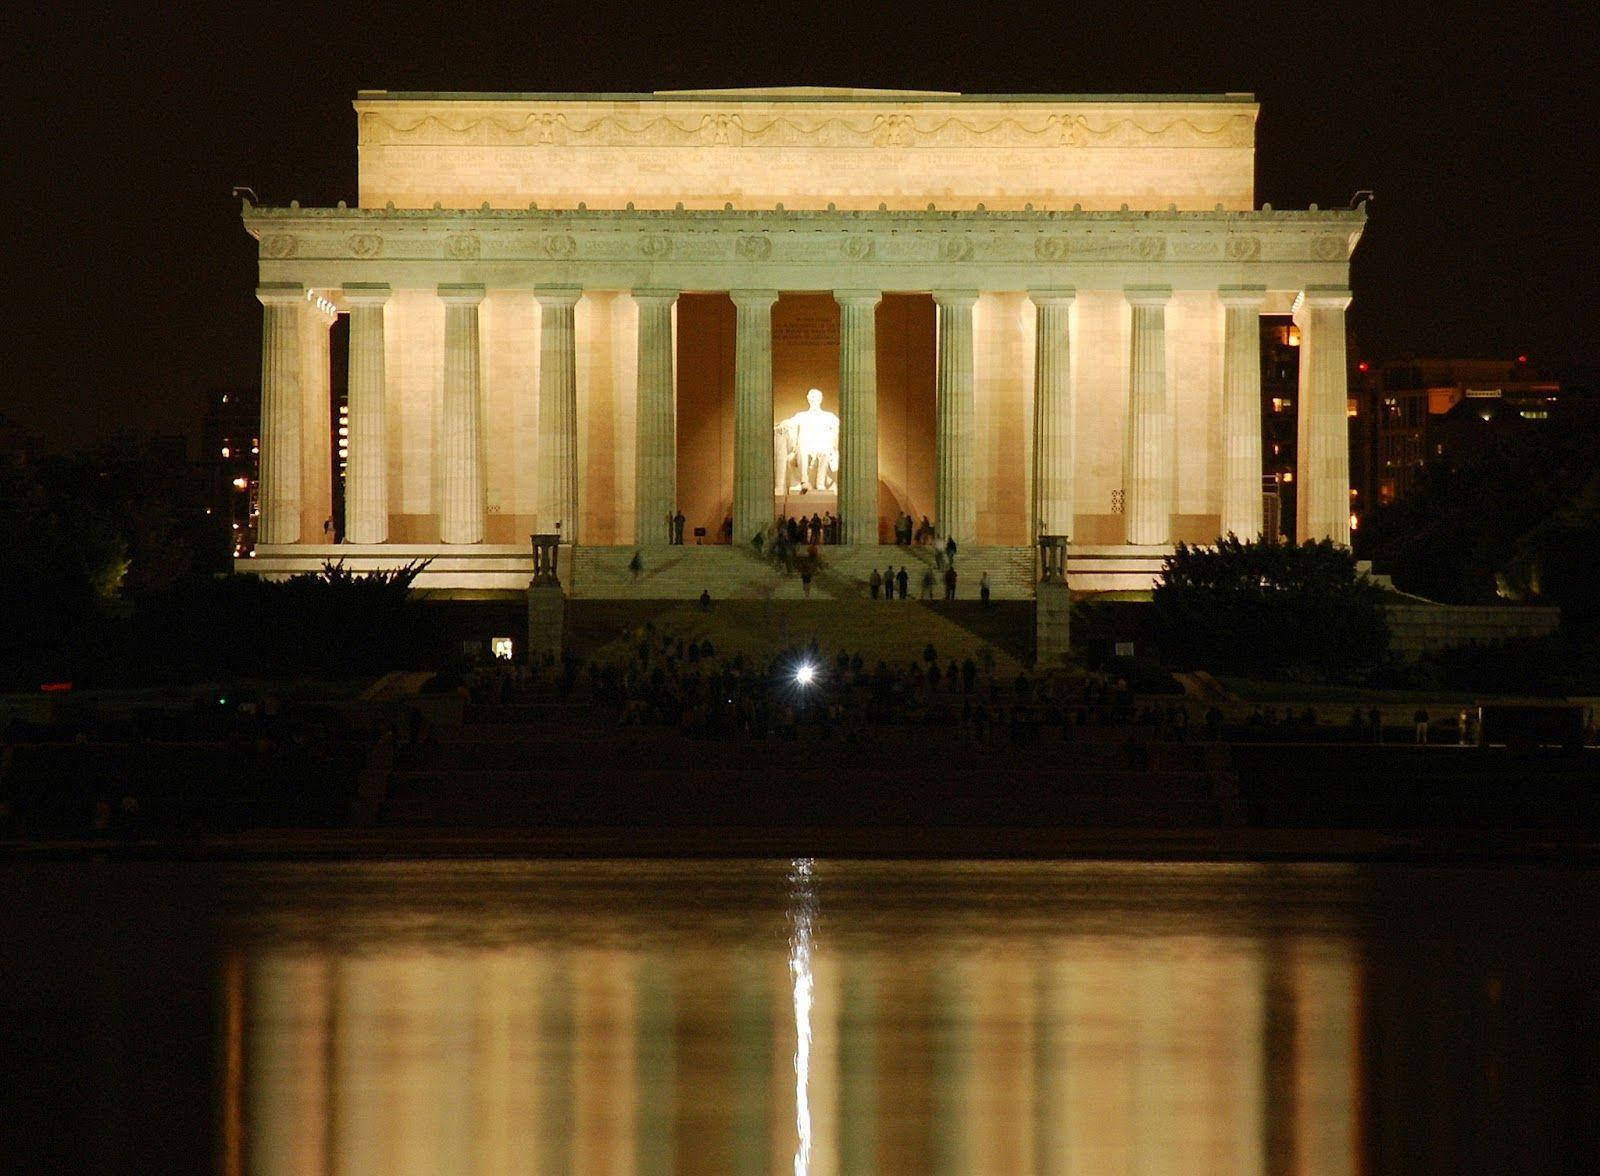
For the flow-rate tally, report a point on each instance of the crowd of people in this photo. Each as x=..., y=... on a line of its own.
x=671, y=681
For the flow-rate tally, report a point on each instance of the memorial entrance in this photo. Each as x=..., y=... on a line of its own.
x=805, y=358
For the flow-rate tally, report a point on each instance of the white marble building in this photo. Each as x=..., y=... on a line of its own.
x=1033, y=314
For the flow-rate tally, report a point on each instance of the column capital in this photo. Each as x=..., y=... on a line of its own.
x=653, y=294
x=280, y=293
x=461, y=293
x=955, y=299
x=1325, y=297
x=1147, y=295
x=558, y=296
x=365, y=294
x=858, y=297
x=1242, y=296
x=754, y=298
x=1053, y=296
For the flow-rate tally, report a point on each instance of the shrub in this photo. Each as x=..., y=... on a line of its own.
x=1270, y=610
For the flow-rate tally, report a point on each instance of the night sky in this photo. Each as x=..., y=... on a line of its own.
x=129, y=281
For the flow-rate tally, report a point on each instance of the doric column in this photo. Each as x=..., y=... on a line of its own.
x=858, y=415
x=752, y=412
x=558, y=411
x=1241, y=410
x=655, y=486
x=282, y=305
x=316, y=422
x=1147, y=470
x=953, y=496
x=461, y=489
x=1322, y=503
x=1052, y=413
x=366, y=473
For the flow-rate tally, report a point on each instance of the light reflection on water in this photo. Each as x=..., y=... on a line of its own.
x=832, y=1019
x=648, y=1018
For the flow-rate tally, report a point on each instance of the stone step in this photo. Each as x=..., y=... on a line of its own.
x=738, y=572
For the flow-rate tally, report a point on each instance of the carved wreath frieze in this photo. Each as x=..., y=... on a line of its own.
x=558, y=245
x=1328, y=248
x=1150, y=248
x=656, y=245
x=462, y=246
x=954, y=249
x=1242, y=248
x=1051, y=248
x=364, y=244
x=858, y=248
x=279, y=245
x=753, y=248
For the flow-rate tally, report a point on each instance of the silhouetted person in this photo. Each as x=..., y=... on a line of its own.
x=677, y=528
x=904, y=582
x=950, y=582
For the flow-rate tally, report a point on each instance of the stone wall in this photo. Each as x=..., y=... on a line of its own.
x=1420, y=628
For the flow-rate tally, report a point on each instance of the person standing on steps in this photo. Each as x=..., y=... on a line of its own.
x=677, y=528
x=903, y=580
x=950, y=582
x=888, y=582
x=636, y=565
x=983, y=589
x=950, y=550
x=927, y=584
x=874, y=582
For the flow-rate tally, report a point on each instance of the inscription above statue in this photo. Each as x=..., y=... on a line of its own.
x=805, y=450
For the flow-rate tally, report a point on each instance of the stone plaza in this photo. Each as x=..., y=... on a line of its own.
x=1032, y=317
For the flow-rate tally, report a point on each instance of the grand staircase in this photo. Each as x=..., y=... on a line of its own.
x=682, y=573
x=1000, y=636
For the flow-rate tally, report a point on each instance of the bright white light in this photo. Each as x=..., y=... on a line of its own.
x=805, y=901
x=806, y=674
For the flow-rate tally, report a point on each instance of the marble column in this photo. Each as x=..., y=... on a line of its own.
x=1148, y=458
x=558, y=411
x=1322, y=502
x=366, y=473
x=316, y=423
x=282, y=306
x=752, y=413
x=1052, y=413
x=954, y=500
x=655, y=485
x=1241, y=410
x=858, y=415
x=461, y=487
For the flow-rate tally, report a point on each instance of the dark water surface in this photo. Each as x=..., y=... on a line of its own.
x=779, y=1017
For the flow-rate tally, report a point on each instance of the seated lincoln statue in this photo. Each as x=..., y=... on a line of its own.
x=806, y=449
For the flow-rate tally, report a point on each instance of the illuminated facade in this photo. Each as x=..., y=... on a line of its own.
x=1035, y=315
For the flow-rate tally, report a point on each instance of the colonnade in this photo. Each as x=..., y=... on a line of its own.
x=1149, y=437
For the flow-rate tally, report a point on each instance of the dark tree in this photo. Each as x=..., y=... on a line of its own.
x=1270, y=610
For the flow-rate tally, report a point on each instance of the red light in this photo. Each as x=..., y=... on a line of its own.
x=1362, y=366
x=55, y=687
x=1522, y=359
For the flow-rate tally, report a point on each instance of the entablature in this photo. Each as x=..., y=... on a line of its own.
x=794, y=249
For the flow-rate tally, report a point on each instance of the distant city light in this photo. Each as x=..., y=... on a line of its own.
x=1362, y=366
x=806, y=674
x=1354, y=521
x=501, y=648
x=1522, y=359
x=226, y=452
x=240, y=483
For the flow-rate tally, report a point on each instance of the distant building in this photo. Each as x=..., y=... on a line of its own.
x=230, y=450
x=1429, y=410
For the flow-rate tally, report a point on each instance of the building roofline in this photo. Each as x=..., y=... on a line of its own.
x=798, y=94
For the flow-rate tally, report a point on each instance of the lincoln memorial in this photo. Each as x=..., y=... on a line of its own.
x=1013, y=315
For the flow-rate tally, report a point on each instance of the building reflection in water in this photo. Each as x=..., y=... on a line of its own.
x=1015, y=1035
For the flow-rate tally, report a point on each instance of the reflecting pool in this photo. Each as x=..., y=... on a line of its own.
x=798, y=1016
